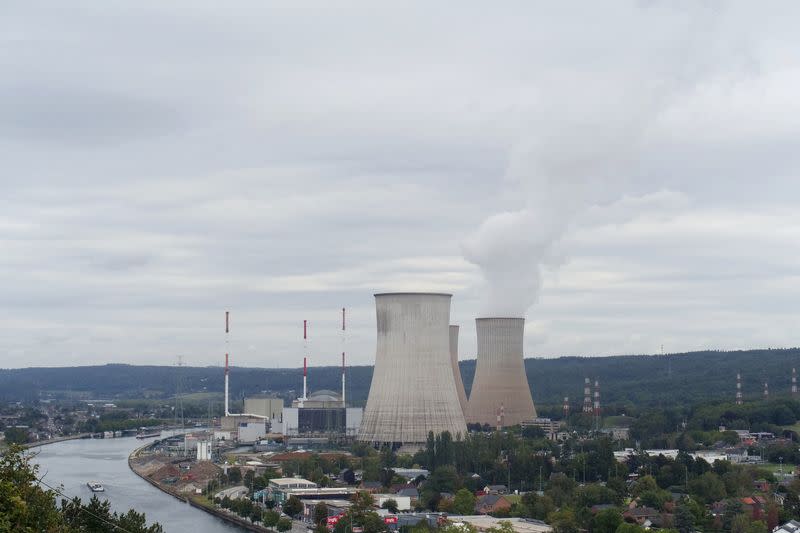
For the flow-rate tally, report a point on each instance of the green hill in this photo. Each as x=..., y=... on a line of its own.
x=633, y=381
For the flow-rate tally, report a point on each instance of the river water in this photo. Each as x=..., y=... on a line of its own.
x=74, y=462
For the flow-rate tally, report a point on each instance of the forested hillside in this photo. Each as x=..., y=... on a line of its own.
x=637, y=381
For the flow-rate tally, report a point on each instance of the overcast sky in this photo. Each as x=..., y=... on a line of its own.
x=625, y=174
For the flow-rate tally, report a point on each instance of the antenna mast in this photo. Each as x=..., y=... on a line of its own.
x=344, y=341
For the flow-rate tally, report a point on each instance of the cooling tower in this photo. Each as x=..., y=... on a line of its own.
x=500, y=387
x=462, y=396
x=413, y=390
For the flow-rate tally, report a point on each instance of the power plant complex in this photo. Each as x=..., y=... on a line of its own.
x=416, y=388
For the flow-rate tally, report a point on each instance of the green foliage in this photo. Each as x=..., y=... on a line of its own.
x=563, y=521
x=270, y=518
x=16, y=435
x=464, y=502
x=320, y=512
x=284, y=524
x=606, y=521
x=27, y=507
x=708, y=488
x=626, y=527
x=293, y=506
x=390, y=505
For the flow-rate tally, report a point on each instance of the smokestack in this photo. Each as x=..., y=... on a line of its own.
x=462, y=396
x=413, y=391
x=343, y=365
x=766, y=389
x=587, y=396
x=566, y=407
x=738, y=388
x=794, y=382
x=500, y=378
x=227, y=412
x=227, y=370
x=305, y=364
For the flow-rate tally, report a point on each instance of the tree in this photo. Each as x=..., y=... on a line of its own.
x=625, y=527
x=320, y=512
x=16, y=435
x=284, y=524
x=684, y=519
x=563, y=521
x=390, y=505
x=271, y=518
x=349, y=476
x=293, y=506
x=26, y=506
x=464, y=502
x=606, y=521
x=255, y=514
x=235, y=475
x=707, y=488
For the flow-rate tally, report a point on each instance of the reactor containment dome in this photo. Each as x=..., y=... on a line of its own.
x=500, y=394
x=413, y=390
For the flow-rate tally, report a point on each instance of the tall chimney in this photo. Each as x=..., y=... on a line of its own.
x=227, y=370
x=794, y=382
x=343, y=365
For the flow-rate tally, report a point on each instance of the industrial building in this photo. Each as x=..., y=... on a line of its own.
x=281, y=489
x=413, y=390
x=462, y=396
x=500, y=394
x=323, y=413
x=269, y=407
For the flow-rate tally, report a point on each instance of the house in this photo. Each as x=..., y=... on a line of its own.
x=495, y=489
x=492, y=503
x=642, y=514
x=761, y=485
x=372, y=486
x=754, y=506
x=410, y=492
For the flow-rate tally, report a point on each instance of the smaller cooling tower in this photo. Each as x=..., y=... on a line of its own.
x=462, y=396
x=413, y=390
x=500, y=387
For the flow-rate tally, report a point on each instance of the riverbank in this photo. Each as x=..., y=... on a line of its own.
x=57, y=439
x=196, y=502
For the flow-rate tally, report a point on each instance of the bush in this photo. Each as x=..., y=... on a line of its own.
x=284, y=524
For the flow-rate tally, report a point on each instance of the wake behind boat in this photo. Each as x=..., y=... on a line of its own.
x=95, y=486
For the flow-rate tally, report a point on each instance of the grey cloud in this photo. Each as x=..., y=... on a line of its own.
x=164, y=162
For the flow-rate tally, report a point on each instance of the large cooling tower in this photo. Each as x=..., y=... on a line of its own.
x=462, y=396
x=500, y=386
x=413, y=390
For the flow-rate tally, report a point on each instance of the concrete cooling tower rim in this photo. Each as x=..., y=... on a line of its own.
x=412, y=294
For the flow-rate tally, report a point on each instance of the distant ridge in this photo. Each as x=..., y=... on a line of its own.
x=635, y=380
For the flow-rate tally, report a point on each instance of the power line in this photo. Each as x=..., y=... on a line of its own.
x=83, y=507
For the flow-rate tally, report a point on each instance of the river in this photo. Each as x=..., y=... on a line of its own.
x=74, y=462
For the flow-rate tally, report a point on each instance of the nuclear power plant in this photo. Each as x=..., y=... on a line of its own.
x=413, y=390
x=462, y=396
x=500, y=393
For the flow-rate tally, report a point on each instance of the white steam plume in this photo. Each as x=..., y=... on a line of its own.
x=583, y=137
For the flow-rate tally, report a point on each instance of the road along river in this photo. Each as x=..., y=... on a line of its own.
x=74, y=462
